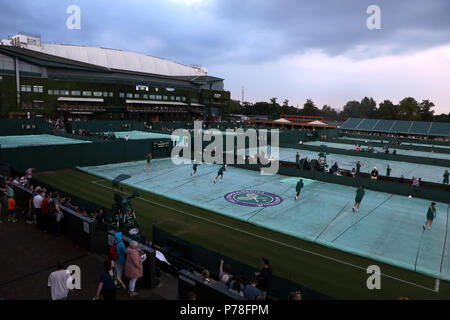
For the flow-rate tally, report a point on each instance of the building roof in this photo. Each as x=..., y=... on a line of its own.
x=398, y=126
x=114, y=59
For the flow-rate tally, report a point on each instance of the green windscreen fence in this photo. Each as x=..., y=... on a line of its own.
x=388, y=227
x=105, y=125
x=14, y=127
x=54, y=157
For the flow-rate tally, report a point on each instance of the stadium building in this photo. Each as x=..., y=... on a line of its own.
x=100, y=83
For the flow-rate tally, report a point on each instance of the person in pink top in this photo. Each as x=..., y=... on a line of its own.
x=133, y=266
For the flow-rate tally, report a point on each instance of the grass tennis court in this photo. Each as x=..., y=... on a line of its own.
x=333, y=272
x=388, y=228
x=414, y=153
x=36, y=140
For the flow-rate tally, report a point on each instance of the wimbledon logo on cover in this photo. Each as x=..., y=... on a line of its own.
x=253, y=198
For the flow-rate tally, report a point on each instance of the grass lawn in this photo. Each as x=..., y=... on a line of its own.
x=331, y=272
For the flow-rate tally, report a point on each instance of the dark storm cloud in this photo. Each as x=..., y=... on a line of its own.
x=235, y=31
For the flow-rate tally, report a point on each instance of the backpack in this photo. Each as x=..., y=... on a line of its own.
x=113, y=255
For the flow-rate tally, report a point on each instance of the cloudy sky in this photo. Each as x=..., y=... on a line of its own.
x=289, y=49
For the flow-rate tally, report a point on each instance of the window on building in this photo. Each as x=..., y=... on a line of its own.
x=76, y=93
x=111, y=94
x=183, y=98
x=145, y=96
x=105, y=94
x=56, y=92
x=121, y=95
x=172, y=98
x=129, y=95
x=25, y=88
x=50, y=91
x=38, y=89
x=156, y=89
x=87, y=93
x=165, y=98
x=136, y=95
x=152, y=97
x=97, y=94
x=158, y=97
x=178, y=98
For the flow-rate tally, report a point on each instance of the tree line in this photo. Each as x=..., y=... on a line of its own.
x=406, y=109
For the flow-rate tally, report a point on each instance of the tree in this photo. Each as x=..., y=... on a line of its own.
x=367, y=108
x=387, y=110
x=351, y=109
x=407, y=109
x=328, y=112
x=424, y=111
x=309, y=108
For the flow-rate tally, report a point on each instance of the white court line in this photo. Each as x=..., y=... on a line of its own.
x=270, y=240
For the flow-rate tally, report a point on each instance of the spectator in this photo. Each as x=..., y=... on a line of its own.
x=31, y=208
x=121, y=254
x=415, y=182
x=224, y=272
x=56, y=214
x=29, y=173
x=297, y=295
x=237, y=288
x=388, y=170
x=99, y=217
x=57, y=281
x=107, y=283
x=44, y=222
x=335, y=168
x=37, y=204
x=133, y=267
x=394, y=152
x=11, y=209
x=205, y=276
x=236, y=278
x=251, y=291
x=353, y=172
x=264, y=277
x=401, y=179
x=374, y=174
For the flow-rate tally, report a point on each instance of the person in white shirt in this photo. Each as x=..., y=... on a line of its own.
x=58, y=282
x=37, y=204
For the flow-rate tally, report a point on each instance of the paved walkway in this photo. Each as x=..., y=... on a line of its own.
x=28, y=256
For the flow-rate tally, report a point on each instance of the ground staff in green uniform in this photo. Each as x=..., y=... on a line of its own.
x=298, y=188
x=445, y=177
x=431, y=214
x=359, y=196
x=148, y=158
x=388, y=171
x=194, y=167
x=220, y=173
x=358, y=167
